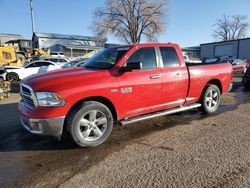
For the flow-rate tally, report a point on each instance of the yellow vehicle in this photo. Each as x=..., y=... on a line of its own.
x=8, y=56
x=38, y=52
x=25, y=51
x=17, y=52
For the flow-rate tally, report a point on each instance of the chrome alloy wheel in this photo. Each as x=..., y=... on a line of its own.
x=212, y=99
x=92, y=125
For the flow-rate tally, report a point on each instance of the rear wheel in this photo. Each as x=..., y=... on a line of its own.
x=91, y=124
x=210, y=99
x=12, y=76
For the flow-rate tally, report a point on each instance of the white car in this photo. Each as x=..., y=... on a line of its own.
x=54, y=55
x=71, y=64
x=57, y=54
x=58, y=60
x=35, y=67
x=188, y=60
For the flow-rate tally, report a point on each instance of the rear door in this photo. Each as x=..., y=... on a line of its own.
x=175, y=78
x=140, y=90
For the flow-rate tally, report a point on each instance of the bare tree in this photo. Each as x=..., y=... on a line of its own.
x=231, y=27
x=131, y=20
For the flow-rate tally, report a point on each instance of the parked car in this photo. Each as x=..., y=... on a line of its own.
x=239, y=65
x=57, y=54
x=246, y=78
x=189, y=60
x=121, y=85
x=19, y=73
x=71, y=64
x=74, y=63
x=56, y=60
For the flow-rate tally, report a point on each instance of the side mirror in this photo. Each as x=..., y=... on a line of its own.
x=131, y=66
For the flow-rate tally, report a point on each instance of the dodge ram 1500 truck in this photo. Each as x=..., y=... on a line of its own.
x=119, y=85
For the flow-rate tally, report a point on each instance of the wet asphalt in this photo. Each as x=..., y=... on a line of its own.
x=187, y=149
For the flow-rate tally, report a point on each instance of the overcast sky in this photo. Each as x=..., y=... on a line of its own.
x=189, y=22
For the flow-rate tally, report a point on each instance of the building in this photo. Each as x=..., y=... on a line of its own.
x=192, y=52
x=7, y=37
x=235, y=48
x=70, y=45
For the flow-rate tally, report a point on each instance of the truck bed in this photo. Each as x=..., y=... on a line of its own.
x=202, y=73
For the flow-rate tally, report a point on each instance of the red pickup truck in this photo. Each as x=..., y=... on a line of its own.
x=119, y=85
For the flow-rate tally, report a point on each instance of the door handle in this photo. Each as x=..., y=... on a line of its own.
x=154, y=76
x=180, y=73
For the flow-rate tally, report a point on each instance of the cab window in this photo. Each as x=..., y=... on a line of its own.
x=169, y=57
x=146, y=56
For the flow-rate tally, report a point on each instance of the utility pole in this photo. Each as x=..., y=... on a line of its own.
x=32, y=17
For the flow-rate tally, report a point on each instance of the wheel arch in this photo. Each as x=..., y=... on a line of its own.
x=216, y=82
x=100, y=99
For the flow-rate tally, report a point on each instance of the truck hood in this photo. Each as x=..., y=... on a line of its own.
x=55, y=80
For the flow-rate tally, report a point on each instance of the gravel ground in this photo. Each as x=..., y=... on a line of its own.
x=188, y=149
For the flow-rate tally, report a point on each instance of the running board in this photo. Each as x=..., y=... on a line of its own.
x=160, y=113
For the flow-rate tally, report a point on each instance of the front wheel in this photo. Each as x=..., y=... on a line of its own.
x=210, y=99
x=91, y=124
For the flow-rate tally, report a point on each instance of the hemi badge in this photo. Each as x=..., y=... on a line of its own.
x=113, y=90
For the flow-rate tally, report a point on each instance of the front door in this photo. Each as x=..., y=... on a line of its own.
x=141, y=90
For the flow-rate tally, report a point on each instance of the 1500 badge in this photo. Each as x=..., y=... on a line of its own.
x=126, y=90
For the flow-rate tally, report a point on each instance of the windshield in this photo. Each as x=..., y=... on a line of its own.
x=70, y=64
x=106, y=58
x=25, y=44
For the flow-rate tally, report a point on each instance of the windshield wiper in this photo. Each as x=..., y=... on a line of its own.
x=89, y=67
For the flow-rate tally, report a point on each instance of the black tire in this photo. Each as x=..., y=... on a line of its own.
x=90, y=126
x=210, y=99
x=12, y=76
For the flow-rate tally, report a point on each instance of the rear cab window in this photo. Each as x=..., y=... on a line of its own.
x=169, y=57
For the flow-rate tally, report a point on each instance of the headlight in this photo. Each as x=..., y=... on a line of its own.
x=49, y=99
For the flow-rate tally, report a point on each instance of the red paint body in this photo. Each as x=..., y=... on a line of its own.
x=148, y=95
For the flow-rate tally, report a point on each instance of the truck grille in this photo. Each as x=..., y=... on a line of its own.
x=27, y=97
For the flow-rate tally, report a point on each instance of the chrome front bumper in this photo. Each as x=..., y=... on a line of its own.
x=47, y=127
